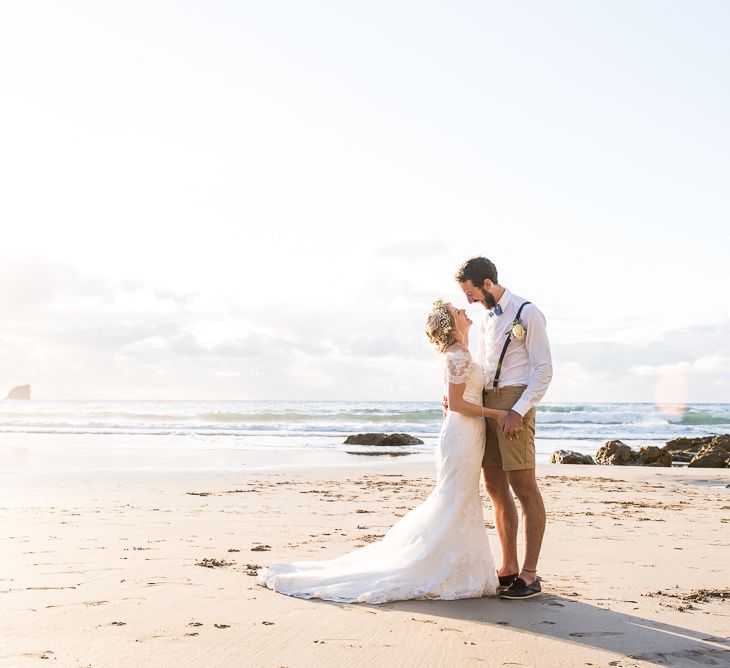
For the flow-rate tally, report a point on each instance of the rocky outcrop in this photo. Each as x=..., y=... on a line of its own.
x=570, y=457
x=19, y=392
x=616, y=453
x=651, y=455
x=722, y=441
x=685, y=443
x=682, y=456
x=704, y=451
x=383, y=439
x=715, y=454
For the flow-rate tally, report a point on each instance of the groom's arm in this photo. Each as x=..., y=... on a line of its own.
x=541, y=363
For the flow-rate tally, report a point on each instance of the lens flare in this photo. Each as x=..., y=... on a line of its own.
x=671, y=393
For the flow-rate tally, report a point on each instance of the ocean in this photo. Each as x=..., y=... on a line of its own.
x=257, y=435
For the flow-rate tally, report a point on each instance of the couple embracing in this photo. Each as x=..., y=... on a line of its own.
x=440, y=549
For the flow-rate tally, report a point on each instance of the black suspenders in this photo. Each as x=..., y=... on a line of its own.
x=504, y=349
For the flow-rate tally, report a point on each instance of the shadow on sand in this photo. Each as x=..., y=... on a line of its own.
x=572, y=621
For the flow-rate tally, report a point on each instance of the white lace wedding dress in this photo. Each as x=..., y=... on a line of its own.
x=439, y=550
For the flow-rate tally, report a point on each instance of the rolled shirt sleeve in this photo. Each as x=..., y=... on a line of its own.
x=540, y=360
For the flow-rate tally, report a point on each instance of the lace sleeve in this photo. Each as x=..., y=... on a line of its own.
x=457, y=366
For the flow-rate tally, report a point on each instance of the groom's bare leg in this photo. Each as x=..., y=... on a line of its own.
x=505, y=517
x=525, y=487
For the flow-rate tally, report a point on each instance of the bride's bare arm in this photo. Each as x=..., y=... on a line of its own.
x=458, y=404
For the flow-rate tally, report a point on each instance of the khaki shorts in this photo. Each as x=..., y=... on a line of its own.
x=509, y=455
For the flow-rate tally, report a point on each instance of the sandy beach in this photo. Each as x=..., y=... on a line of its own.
x=103, y=569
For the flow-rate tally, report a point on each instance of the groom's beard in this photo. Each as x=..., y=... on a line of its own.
x=489, y=298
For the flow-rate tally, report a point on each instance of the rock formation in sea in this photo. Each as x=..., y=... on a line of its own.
x=652, y=455
x=616, y=453
x=716, y=454
x=570, y=457
x=701, y=452
x=19, y=392
x=382, y=439
x=688, y=442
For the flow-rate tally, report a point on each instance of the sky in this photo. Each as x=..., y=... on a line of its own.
x=246, y=200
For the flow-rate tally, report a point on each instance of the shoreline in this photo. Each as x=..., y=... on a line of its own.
x=63, y=454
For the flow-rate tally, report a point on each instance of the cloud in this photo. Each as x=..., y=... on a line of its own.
x=661, y=370
x=600, y=371
x=31, y=282
x=710, y=364
x=73, y=336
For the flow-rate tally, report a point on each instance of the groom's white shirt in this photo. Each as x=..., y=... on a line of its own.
x=527, y=362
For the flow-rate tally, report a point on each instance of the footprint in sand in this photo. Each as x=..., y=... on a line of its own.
x=348, y=608
x=44, y=654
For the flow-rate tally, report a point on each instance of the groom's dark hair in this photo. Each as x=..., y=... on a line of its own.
x=477, y=270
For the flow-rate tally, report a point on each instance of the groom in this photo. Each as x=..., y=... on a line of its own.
x=515, y=355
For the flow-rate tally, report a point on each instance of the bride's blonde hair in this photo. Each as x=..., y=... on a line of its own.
x=440, y=326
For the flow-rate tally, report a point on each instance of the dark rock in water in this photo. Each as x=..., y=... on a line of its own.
x=401, y=439
x=616, y=453
x=383, y=439
x=714, y=455
x=651, y=455
x=685, y=443
x=19, y=392
x=377, y=453
x=364, y=439
x=570, y=457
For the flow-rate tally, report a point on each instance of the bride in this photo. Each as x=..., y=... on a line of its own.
x=440, y=549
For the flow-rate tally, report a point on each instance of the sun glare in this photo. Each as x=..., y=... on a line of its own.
x=671, y=393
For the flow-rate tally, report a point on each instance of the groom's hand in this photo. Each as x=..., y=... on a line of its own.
x=512, y=424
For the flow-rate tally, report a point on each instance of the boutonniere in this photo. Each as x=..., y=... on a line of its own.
x=518, y=330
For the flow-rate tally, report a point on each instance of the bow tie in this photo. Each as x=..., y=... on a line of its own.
x=497, y=310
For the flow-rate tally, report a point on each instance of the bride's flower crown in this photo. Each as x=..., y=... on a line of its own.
x=444, y=316
x=440, y=325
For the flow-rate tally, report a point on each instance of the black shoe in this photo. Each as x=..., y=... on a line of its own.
x=519, y=590
x=507, y=580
